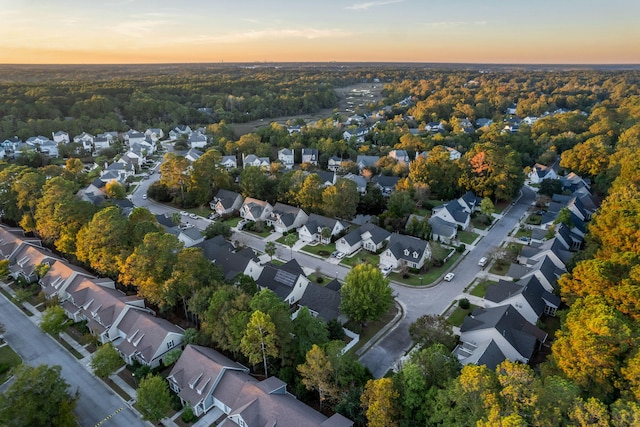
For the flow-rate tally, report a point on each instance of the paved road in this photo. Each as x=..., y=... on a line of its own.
x=435, y=300
x=96, y=401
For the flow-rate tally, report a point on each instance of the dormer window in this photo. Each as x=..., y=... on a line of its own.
x=406, y=252
x=415, y=254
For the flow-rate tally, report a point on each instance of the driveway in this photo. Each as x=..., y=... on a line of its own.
x=435, y=300
x=96, y=401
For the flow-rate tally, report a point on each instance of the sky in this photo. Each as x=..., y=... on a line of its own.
x=461, y=31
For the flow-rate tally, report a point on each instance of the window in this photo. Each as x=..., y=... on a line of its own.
x=170, y=344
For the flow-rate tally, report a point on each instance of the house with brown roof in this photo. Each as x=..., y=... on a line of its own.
x=285, y=218
x=11, y=239
x=24, y=260
x=211, y=382
x=255, y=210
x=138, y=335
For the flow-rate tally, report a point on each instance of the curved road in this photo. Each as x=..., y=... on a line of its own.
x=415, y=301
x=435, y=300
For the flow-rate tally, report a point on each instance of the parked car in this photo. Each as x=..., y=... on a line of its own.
x=144, y=196
x=483, y=261
x=334, y=253
x=193, y=216
x=184, y=213
x=386, y=270
x=449, y=277
x=524, y=239
x=340, y=255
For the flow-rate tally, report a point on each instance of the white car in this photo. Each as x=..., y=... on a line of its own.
x=193, y=216
x=448, y=277
x=340, y=255
x=144, y=196
x=184, y=213
x=386, y=270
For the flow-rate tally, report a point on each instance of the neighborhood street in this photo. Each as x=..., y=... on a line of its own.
x=96, y=401
x=414, y=301
x=435, y=300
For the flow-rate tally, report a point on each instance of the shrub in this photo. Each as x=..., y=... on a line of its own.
x=464, y=304
x=187, y=415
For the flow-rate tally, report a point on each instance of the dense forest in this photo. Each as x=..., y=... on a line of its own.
x=593, y=374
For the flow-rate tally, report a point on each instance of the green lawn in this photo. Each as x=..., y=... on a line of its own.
x=9, y=359
x=320, y=250
x=457, y=317
x=232, y=222
x=264, y=233
x=426, y=278
x=288, y=239
x=467, y=237
x=534, y=219
x=523, y=232
x=480, y=289
x=361, y=257
x=477, y=223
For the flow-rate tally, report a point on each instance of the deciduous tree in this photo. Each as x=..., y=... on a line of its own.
x=259, y=340
x=38, y=396
x=106, y=360
x=317, y=374
x=379, y=402
x=153, y=398
x=366, y=294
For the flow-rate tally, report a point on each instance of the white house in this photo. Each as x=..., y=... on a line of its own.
x=369, y=236
x=286, y=158
x=541, y=172
x=408, y=250
x=255, y=210
x=61, y=137
x=288, y=281
x=229, y=162
x=284, y=218
x=312, y=230
x=253, y=160
x=226, y=202
x=334, y=163
x=310, y=155
x=197, y=140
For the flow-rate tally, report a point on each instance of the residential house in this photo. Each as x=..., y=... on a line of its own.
x=490, y=335
x=12, y=239
x=364, y=162
x=229, y=162
x=528, y=296
x=226, y=202
x=541, y=172
x=117, y=171
x=232, y=262
x=310, y=155
x=357, y=135
x=255, y=210
x=139, y=336
x=544, y=270
x=61, y=137
x=405, y=250
x=312, y=231
x=154, y=133
x=359, y=180
x=294, y=129
x=286, y=157
x=178, y=131
x=190, y=236
x=327, y=178
x=323, y=301
x=369, y=236
x=192, y=155
x=483, y=122
x=101, y=142
x=400, y=156
x=284, y=218
x=453, y=212
x=333, y=163
x=197, y=140
x=196, y=376
x=253, y=160
x=469, y=202
x=442, y=230
x=511, y=109
x=434, y=127
x=86, y=139
x=208, y=381
x=134, y=137
x=386, y=184
x=288, y=281
x=24, y=261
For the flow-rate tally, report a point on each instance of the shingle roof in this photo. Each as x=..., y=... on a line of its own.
x=226, y=198
x=284, y=213
x=322, y=300
x=405, y=247
x=222, y=253
x=280, y=278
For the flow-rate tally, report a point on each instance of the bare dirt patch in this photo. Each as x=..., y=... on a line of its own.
x=351, y=97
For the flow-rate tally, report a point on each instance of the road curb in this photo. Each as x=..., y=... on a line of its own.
x=384, y=331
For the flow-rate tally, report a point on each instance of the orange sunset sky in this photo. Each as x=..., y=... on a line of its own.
x=489, y=31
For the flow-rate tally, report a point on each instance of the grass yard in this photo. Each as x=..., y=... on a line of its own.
x=288, y=239
x=457, y=317
x=480, y=289
x=320, y=250
x=467, y=237
x=361, y=257
x=426, y=278
x=534, y=219
x=232, y=222
x=8, y=359
x=264, y=233
x=523, y=232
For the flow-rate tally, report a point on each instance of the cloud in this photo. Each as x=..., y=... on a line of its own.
x=370, y=4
